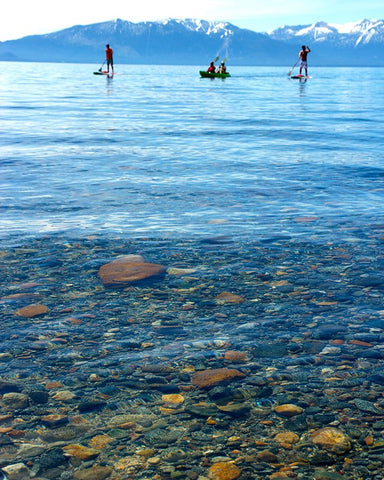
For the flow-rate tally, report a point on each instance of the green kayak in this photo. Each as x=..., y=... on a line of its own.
x=214, y=75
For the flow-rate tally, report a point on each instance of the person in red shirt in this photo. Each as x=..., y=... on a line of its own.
x=109, y=57
x=303, y=57
x=211, y=68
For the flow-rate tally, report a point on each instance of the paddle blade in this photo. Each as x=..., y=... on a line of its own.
x=216, y=59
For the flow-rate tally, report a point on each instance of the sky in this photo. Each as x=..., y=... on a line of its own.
x=35, y=17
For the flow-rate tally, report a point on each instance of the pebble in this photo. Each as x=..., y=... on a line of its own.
x=366, y=406
x=63, y=396
x=93, y=473
x=286, y=438
x=228, y=298
x=224, y=471
x=267, y=456
x=100, y=442
x=331, y=439
x=31, y=311
x=80, y=451
x=17, y=471
x=54, y=420
x=173, y=398
x=235, y=356
x=213, y=377
x=14, y=401
x=288, y=410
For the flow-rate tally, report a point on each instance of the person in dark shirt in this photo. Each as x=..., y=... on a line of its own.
x=222, y=68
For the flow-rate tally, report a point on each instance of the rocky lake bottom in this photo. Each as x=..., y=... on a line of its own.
x=193, y=359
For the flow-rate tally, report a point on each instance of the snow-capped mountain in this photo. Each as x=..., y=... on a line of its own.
x=207, y=27
x=364, y=32
x=194, y=41
x=163, y=42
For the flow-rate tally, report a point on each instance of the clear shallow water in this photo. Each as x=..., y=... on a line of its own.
x=157, y=150
x=262, y=198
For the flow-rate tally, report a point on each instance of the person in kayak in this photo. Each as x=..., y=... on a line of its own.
x=222, y=68
x=303, y=59
x=211, y=68
x=109, y=57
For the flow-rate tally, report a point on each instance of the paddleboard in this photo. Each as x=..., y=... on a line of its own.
x=300, y=76
x=110, y=74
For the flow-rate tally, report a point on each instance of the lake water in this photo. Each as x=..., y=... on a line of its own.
x=262, y=196
x=157, y=150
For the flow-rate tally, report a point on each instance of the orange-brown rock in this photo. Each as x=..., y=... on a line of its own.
x=80, y=452
x=285, y=438
x=54, y=420
x=54, y=384
x=6, y=429
x=224, y=471
x=33, y=310
x=228, y=297
x=369, y=440
x=235, y=356
x=288, y=410
x=211, y=378
x=173, y=398
x=331, y=439
x=128, y=270
x=99, y=442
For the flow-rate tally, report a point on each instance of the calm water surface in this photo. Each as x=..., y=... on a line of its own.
x=157, y=150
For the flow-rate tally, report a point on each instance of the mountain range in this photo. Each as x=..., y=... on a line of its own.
x=196, y=42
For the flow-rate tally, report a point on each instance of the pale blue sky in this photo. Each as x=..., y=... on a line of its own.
x=26, y=17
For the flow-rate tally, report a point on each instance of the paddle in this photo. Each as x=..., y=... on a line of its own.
x=101, y=68
x=290, y=71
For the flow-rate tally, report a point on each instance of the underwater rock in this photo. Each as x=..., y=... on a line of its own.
x=211, y=378
x=224, y=471
x=331, y=439
x=127, y=270
x=31, y=311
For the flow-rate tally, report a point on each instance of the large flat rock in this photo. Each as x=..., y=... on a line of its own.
x=129, y=270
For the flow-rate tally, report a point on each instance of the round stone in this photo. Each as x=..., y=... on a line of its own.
x=288, y=410
x=224, y=471
x=331, y=439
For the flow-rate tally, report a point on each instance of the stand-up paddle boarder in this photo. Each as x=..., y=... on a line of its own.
x=303, y=59
x=109, y=57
